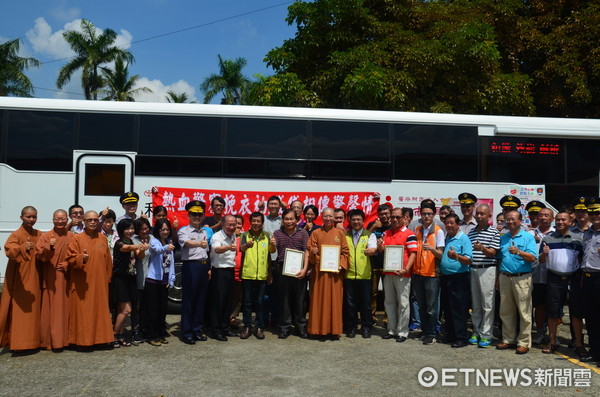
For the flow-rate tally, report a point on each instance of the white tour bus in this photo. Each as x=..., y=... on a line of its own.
x=54, y=153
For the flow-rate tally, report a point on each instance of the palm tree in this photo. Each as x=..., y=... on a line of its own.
x=118, y=84
x=92, y=51
x=230, y=81
x=176, y=98
x=12, y=79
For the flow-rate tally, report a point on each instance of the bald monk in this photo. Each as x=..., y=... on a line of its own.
x=90, y=266
x=21, y=295
x=51, y=252
x=326, y=296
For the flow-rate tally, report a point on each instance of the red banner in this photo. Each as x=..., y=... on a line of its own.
x=245, y=203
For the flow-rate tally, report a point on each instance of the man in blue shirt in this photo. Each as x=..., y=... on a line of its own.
x=454, y=267
x=517, y=253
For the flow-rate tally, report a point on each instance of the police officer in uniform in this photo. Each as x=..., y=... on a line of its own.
x=533, y=208
x=591, y=277
x=467, y=207
x=195, y=273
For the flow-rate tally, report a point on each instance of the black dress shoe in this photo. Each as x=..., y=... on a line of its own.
x=366, y=333
x=302, y=333
x=220, y=337
x=388, y=336
x=401, y=339
x=229, y=332
x=351, y=333
x=188, y=340
x=200, y=338
x=284, y=334
x=460, y=343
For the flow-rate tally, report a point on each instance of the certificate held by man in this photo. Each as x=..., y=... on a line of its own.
x=292, y=262
x=393, y=259
x=330, y=258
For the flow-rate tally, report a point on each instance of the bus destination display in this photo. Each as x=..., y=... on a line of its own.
x=527, y=149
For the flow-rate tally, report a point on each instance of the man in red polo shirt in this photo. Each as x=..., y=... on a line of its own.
x=396, y=285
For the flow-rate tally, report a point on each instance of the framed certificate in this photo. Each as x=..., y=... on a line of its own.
x=293, y=262
x=330, y=258
x=393, y=258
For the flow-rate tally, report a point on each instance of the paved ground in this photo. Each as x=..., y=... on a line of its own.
x=292, y=367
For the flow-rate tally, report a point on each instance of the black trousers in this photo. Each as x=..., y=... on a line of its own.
x=357, y=294
x=591, y=299
x=155, y=309
x=221, y=298
x=455, y=300
x=292, y=292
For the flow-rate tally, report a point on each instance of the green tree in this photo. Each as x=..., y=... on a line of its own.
x=13, y=80
x=92, y=51
x=229, y=81
x=466, y=56
x=119, y=86
x=173, y=97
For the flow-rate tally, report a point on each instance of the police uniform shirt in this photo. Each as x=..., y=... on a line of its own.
x=189, y=233
x=591, y=257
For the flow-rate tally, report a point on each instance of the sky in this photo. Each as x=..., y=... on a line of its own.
x=178, y=62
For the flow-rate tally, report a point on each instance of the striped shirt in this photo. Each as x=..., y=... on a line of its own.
x=403, y=237
x=296, y=241
x=489, y=238
x=563, y=257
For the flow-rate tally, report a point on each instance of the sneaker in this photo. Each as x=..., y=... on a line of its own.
x=429, y=340
x=414, y=327
x=154, y=342
x=485, y=343
x=138, y=338
x=474, y=339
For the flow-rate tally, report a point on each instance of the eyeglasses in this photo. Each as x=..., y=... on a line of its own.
x=396, y=217
x=195, y=214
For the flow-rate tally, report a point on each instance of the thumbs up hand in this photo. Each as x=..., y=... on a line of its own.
x=452, y=254
x=545, y=248
x=28, y=244
x=513, y=249
x=85, y=256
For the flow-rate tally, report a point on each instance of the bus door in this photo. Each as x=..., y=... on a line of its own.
x=102, y=177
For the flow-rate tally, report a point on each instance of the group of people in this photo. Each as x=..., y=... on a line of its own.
x=77, y=283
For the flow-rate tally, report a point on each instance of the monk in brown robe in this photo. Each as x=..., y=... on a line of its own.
x=90, y=267
x=52, y=251
x=21, y=295
x=326, y=296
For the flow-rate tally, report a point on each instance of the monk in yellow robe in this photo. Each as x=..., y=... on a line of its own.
x=90, y=267
x=327, y=293
x=52, y=251
x=21, y=295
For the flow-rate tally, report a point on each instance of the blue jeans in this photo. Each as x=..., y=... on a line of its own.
x=415, y=316
x=427, y=290
x=254, y=294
